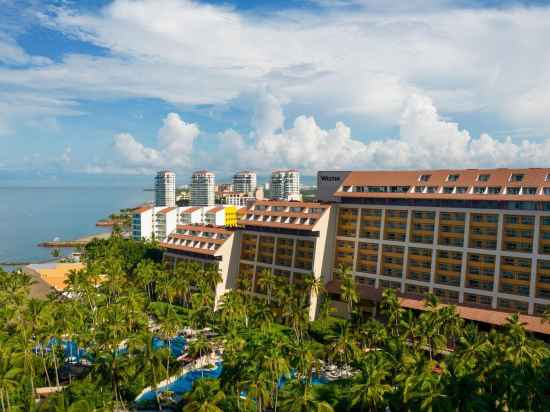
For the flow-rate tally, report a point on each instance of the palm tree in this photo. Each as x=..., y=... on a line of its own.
x=267, y=282
x=277, y=367
x=206, y=396
x=301, y=398
x=391, y=308
x=348, y=289
x=370, y=388
x=151, y=360
x=146, y=272
x=343, y=348
x=169, y=326
x=10, y=371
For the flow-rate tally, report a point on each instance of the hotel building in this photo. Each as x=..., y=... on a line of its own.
x=244, y=182
x=478, y=239
x=285, y=185
x=165, y=189
x=203, y=188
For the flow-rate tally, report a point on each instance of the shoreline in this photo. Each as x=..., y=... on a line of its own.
x=68, y=244
x=74, y=243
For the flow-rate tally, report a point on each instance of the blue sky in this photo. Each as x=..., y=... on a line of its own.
x=100, y=88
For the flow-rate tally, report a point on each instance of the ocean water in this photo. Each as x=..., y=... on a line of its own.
x=30, y=215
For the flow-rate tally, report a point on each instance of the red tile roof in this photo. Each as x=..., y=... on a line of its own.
x=141, y=209
x=493, y=317
x=533, y=177
x=204, y=228
x=215, y=209
x=188, y=249
x=166, y=210
x=490, y=316
x=191, y=209
x=290, y=203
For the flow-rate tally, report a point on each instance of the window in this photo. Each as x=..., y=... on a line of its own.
x=431, y=189
x=461, y=189
x=419, y=189
x=479, y=190
x=452, y=178
x=512, y=190
x=493, y=190
x=424, y=178
x=448, y=189
x=529, y=191
x=516, y=177
x=483, y=178
x=546, y=191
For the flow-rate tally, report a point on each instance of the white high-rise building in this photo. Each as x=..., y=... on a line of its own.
x=244, y=182
x=165, y=189
x=203, y=188
x=285, y=185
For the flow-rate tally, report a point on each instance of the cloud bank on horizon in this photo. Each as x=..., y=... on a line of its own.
x=425, y=141
x=352, y=63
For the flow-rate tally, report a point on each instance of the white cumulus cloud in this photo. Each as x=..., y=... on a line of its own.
x=425, y=141
x=174, y=145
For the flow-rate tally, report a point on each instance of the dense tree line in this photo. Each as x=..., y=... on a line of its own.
x=273, y=355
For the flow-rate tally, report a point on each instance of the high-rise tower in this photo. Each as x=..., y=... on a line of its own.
x=285, y=185
x=202, y=188
x=165, y=188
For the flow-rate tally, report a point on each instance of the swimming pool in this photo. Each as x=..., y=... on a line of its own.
x=184, y=383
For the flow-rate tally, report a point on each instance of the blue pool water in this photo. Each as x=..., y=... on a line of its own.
x=177, y=345
x=184, y=383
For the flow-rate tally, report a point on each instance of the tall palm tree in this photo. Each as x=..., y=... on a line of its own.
x=391, y=308
x=343, y=348
x=169, y=326
x=267, y=282
x=301, y=398
x=10, y=372
x=371, y=387
x=348, y=288
x=206, y=396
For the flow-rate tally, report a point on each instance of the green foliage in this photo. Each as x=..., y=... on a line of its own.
x=405, y=361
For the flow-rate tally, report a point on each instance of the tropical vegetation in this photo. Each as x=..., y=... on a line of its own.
x=93, y=345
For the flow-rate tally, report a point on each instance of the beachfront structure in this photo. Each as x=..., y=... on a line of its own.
x=142, y=222
x=479, y=239
x=244, y=182
x=164, y=221
x=150, y=222
x=285, y=185
x=203, y=188
x=165, y=189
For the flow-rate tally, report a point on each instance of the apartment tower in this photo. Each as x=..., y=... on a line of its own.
x=285, y=185
x=244, y=182
x=165, y=189
x=203, y=188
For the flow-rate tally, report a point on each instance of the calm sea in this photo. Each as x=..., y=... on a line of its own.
x=32, y=215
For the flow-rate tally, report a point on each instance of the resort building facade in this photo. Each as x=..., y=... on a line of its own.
x=479, y=239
